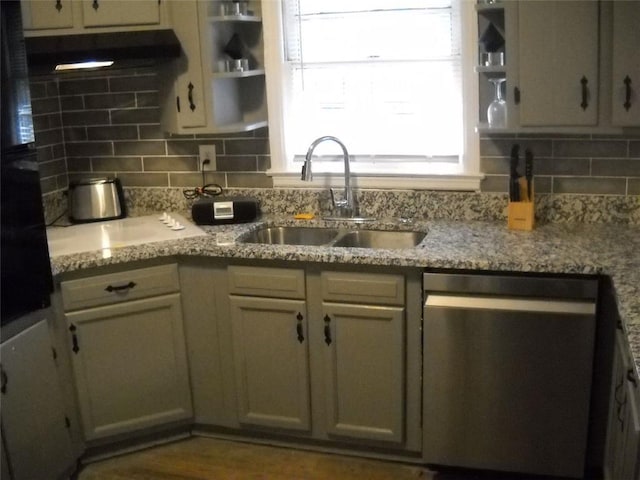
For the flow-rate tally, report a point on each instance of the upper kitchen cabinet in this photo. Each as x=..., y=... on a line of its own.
x=107, y=13
x=47, y=15
x=218, y=85
x=61, y=17
x=558, y=63
x=626, y=64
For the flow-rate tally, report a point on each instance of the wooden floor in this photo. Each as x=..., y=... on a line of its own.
x=200, y=458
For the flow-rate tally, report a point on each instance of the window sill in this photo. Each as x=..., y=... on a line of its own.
x=458, y=182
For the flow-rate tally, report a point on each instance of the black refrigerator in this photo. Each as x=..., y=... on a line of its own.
x=26, y=271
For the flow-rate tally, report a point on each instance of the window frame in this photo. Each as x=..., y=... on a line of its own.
x=467, y=179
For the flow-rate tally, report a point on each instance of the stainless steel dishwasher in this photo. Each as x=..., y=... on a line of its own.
x=507, y=372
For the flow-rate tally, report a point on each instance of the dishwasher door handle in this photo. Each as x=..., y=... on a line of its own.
x=511, y=304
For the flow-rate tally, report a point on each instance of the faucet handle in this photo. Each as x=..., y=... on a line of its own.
x=337, y=203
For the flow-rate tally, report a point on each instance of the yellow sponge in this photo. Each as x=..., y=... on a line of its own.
x=304, y=216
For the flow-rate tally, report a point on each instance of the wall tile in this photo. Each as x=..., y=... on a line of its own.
x=78, y=164
x=89, y=149
x=151, y=132
x=116, y=164
x=264, y=163
x=147, y=147
x=494, y=183
x=110, y=100
x=616, y=167
x=561, y=166
x=53, y=168
x=589, y=148
x=501, y=147
x=136, y=115
x=249, y=180
x=49, y=137
x=146, y=179
x=73, y=102
x=119, y=132
x=189, y=180
x=186, y=147
x=255, y=146
x=88, y=117
x=239, y=163
x=134, y=83
x=170, y=164
x=633, y=186
x=75, y=134
x=634, y=149
x=605, y=186
x=80, y=86
x=44, y=105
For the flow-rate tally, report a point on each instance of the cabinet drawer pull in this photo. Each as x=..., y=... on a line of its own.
x=632, y=378
x=516, y=95
x=585, y=93
x=178, y=103
x=120, y=288
x=327, y=330
x=627, y=93
x=95, y=5
x=58, y=5
x=299, y=329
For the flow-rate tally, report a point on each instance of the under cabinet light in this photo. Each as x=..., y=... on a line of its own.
x=83, y=65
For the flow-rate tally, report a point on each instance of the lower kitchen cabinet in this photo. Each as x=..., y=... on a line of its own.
x=324, y=353
x=35, y=436
x=129, y=357
x=271, y=361
x=623, y=435
x=364, y=371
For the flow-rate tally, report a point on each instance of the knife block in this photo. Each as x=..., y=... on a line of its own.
x=521, y=215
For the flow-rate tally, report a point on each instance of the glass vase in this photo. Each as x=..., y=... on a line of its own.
x=497, y=111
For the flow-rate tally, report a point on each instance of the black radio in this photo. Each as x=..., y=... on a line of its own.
x=223, y=210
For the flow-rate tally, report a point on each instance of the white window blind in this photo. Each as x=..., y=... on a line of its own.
x=382, y=75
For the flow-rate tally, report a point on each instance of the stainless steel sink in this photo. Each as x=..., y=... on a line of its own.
x=292, y=236
x=379, y=239
x=332, y=237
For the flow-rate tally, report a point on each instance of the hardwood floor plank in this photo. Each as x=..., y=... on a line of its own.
x=202, y=458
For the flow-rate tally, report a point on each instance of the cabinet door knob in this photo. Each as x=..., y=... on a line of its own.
x=627, y=93
x=95, y=5
x=516, y=95
x=585, y=93
x=58, y=5
x=632, y=378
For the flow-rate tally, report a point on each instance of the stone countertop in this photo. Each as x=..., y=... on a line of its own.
x=553, y=248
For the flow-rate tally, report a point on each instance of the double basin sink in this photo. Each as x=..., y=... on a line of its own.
x=333, y=237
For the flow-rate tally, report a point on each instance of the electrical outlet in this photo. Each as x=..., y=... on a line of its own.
x=207, y=152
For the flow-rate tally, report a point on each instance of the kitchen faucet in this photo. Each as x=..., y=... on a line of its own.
x=345, y=208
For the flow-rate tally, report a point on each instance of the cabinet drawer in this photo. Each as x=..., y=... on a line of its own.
x=119, y=287
x=266, y=282
x=370, y=288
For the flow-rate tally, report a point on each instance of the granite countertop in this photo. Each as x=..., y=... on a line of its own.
x=554, y=248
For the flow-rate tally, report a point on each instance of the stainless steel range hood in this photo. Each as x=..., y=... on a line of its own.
x=126, y=49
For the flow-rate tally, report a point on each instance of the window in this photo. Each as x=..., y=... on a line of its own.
x=384, y=76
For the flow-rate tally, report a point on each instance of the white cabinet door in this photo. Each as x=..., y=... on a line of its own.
x=558, y=60
x=106, y=13
x=130, y=365
x=364, y=371
x=270, y=346
x=33, y=420
x=185, y=105
x=626, y=63
x=50, y=14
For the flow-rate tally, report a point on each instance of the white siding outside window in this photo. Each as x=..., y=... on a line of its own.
x=384, y=76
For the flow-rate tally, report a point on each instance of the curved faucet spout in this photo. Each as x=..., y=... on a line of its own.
x=346, y=206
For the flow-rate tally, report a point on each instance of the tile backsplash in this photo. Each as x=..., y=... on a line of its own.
x=99, y=124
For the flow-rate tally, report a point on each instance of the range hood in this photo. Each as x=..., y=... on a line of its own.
x=126, y=49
